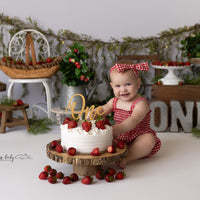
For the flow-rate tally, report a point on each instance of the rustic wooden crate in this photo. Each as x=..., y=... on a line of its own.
x=180, y=93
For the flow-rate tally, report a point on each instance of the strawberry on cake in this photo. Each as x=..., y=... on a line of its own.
x=85, y=136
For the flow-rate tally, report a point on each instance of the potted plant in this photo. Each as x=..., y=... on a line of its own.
x=191, y=49
x=75, y=74
x=191, y=46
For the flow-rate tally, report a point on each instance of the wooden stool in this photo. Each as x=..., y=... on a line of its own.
x=7, y=119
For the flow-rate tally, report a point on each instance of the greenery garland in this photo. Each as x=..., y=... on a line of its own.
x=167, y=44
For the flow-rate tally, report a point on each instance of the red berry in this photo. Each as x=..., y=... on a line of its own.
x=120, y=175
x=59, y=148
x=76, y=63
x=66, y=120
x=82, y=78
x=43, y=175
x=47, y=168
x=72, y=124
x=86, y=126
x=67, y=180
x=52, y=179
x=52, y=172
x=111, y=149
x=20, y=102
x=87, y=180
x=109, y=178
x=71, y=151
x=100, y=174
x=111, y=171
x=120, y=144
x=86, y=80
x=74, y=177
x=75, y=50
x=95, y=152
x=49, y=60
x=106, y=121
x=78, y=66
x=100, y=124
x=59, y=175
x=14, y=103
x=54, y=143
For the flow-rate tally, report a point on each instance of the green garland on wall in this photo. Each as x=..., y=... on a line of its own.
x=102, y=53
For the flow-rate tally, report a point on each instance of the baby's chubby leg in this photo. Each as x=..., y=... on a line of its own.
x=141, y=147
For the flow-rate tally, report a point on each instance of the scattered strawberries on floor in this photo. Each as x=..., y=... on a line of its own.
x=67, y=180
x=120, y=175
x=43, y=175
x=52, y=176
x=87, y=180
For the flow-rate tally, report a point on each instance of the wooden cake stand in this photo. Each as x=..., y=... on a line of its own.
x=85, y=164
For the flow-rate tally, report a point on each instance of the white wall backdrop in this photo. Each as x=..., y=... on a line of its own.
x=105, y=18
x=101, y=19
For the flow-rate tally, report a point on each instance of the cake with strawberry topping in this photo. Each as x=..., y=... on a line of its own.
x=85, y=136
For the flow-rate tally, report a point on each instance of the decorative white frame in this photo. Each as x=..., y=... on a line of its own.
x=17, y=45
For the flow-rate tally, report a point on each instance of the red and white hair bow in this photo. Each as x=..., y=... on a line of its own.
x=133, y=67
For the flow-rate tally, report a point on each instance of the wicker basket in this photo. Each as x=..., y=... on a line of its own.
x=19, y=71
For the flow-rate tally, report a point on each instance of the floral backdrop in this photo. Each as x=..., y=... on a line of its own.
x=102, y=54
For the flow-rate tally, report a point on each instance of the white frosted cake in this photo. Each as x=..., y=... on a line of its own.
x=85, y=142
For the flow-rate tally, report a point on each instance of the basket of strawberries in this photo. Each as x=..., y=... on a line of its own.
x=17, y=69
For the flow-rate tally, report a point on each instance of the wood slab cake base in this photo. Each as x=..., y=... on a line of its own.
x=85, y=164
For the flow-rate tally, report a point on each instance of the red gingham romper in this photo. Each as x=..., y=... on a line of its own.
x=143, y=127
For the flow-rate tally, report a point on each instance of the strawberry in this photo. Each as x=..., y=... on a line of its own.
x=71, y=151
x=159, y=83
x=100, y=124
x=14, y=103
x=52, y=179
x=76, y=63
x=4, y=59
x=49, y=60
x=111, y=171
x=78, y=66
x=43, y=175
x=120, y=144
x=52, y=172
x=66, y=120
x=100, y=174
x=72, y=124
x=54, y=143
x=180, y=82
x=59, y=148
x=86, y=80
x=109, y=178
x=120, y=175
x=87, y=180
x=187, y=63
x=82, y=78
x=47, y=168
x=86, y=126
x=59, y=175
x=106, y=121
x=67, y=180
x=74, y=177
x=20, y=102
x=75, y=50
x=95, y=152
x=111, y=149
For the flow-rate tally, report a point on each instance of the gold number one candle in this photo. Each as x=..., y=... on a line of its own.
x=91, y=111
